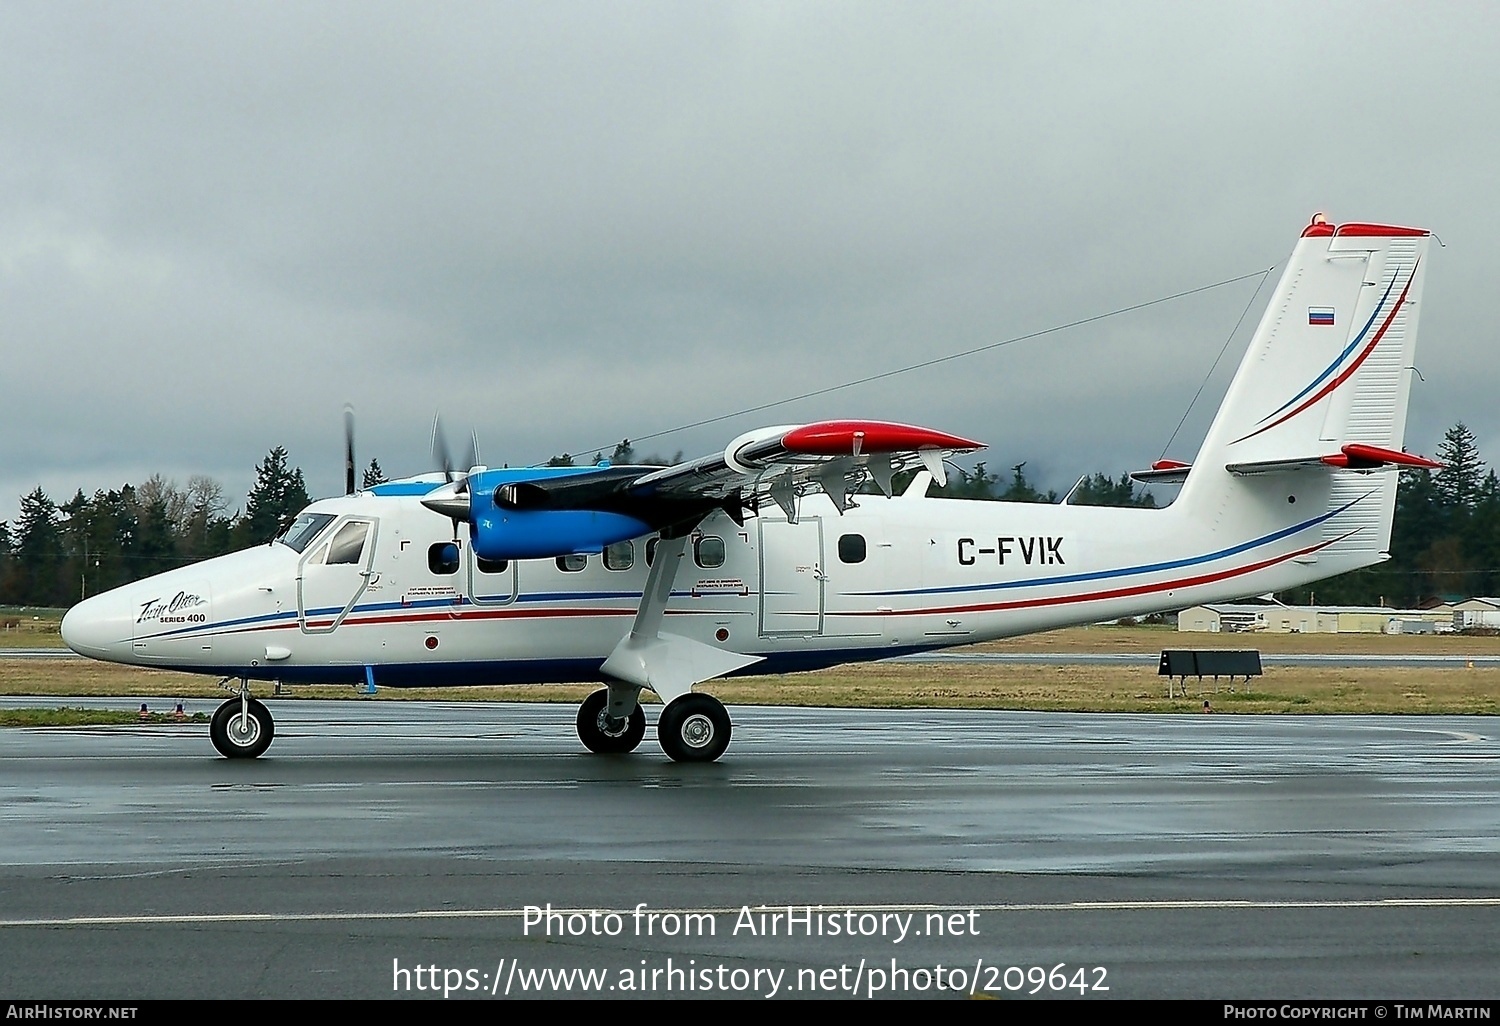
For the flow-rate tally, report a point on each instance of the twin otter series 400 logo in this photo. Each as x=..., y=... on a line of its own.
x=178, y=609
x=1046, y=551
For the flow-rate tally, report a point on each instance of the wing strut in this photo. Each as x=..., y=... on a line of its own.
x=668, y=664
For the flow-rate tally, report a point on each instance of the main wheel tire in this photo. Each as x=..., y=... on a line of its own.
x=594, y=730
x=236, y=741
x=694, y=728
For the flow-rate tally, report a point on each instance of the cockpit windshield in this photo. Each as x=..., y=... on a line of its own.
x=304, y=529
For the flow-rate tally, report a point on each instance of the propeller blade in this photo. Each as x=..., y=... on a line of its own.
x=348, y=449
x=471, y=458
x=440, y=449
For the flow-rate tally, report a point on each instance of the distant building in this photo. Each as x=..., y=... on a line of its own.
x=1277, y=619
x=1476, y=612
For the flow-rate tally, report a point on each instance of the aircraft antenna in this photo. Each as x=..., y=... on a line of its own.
x=987, y=347
x=1222, y=350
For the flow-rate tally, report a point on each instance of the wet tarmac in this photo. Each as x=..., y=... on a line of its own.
x=1185, y=856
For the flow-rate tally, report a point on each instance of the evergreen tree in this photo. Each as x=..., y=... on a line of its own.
x=39, y=551
x=1418, y=524
x=279, y=494
x=155, y=545
x=1462, y=474
x=373, y=475
x=565, y=460
x=980, y=484
x=122, y=506
x=7, y=563
x=1481, y=539
x=658, y=460
x=1020, y=489
x=624, y=454
x=1100, y=490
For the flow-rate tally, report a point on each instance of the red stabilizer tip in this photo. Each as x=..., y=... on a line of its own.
x=1374, y=453
x=1378, y=230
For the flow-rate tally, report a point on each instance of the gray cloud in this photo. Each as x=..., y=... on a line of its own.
x=566, y=224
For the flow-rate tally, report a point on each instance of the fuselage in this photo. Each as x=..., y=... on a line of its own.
x=378, y=592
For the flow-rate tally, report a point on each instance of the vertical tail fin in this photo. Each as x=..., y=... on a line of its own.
x=1331, y=359
x=1330, y=365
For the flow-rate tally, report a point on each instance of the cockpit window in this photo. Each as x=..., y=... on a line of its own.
x=304, y=529
x=348, y=543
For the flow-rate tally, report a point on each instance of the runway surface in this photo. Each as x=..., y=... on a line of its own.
x=1188, y=856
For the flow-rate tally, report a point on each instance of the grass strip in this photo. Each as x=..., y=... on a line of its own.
x=75, y=717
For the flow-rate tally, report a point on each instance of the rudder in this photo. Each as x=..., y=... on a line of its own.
x=1329, y=366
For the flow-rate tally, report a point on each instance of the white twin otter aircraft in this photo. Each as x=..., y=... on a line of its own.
x=768, y=558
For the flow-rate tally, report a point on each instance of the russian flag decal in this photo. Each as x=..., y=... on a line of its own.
x=1320, y=315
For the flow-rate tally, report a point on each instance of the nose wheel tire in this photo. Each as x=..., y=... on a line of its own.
x=599, y=735
x=694, y=728
x=237, y=738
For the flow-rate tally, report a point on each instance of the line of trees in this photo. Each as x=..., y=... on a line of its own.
x=54, y=553
x=1446, y=541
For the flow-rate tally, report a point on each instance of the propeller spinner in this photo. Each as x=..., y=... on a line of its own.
x=451, y=500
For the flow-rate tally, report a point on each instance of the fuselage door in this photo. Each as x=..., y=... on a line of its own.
x=332, y=575
x=791, y=577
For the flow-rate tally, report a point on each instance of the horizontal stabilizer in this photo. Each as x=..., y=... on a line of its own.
x=1350, y=457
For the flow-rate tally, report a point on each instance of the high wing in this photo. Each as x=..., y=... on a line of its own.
x=782, y=462
x=540, y=512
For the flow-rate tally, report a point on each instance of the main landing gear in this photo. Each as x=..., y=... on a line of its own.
x=608, y=734
x=241, y=728
x=692, y=727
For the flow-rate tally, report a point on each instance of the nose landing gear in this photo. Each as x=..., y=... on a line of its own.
x=241, y=728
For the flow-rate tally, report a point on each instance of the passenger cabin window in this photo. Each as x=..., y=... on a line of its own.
x=304, y=529
x=571, y=564
x=651, y=544
x=442, y=559
x=619, y=556
x=491, y=566
x=852, y=548
x=348, y=543
x=708, y=551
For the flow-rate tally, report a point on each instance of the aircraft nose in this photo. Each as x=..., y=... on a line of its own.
x=99, y=627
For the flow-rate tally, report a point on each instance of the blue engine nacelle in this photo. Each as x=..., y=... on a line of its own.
x=511, y=520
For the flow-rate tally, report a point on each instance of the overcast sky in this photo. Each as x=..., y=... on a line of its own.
x=567, y=224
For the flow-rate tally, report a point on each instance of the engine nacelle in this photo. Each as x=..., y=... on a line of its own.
x=500, y=531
